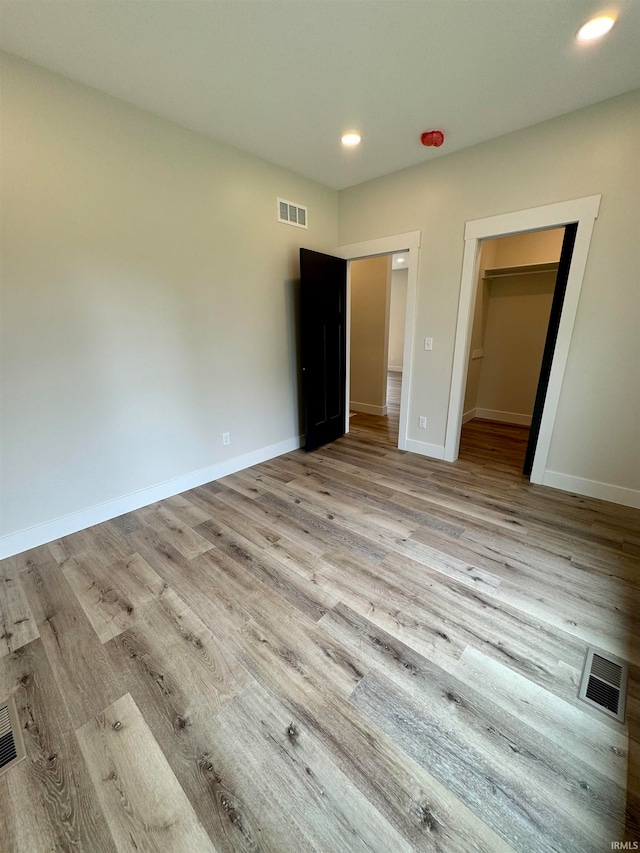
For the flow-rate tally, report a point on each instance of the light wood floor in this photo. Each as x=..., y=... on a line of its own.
x=355, y=649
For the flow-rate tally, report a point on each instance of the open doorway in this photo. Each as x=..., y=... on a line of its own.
x=516, y=282
x=325, y=310
x=408, y=244
x=378, y=302
x=578, y=216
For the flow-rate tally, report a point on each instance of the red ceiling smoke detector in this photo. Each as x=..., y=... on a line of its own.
x=432, y=138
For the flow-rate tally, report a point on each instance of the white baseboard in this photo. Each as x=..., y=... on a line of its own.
x=24, y=540
x=503, y=417
x=368, y=409
x=592, y=488
x=435, y=451
x=468, y=416
x=394, y=368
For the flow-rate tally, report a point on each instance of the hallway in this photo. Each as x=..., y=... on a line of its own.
x=382, y=429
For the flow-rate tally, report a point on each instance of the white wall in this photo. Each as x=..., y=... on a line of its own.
x=397, y=312
x=369, y=334
x=148, y=299
x=592, y=151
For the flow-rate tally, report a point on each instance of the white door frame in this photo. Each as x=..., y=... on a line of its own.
x=584, y=211
x=385, y=246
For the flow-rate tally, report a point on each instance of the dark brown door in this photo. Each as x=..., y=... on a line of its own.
x=550, y=342
x=323, y=295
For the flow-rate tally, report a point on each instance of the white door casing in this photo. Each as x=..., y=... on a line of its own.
x=584, y=211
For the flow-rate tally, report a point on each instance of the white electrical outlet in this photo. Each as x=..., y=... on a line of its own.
x=422, y=422
x=226, y=438
x=428, y=343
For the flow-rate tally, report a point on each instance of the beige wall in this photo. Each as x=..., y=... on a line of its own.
x=397, y=312
x=510, y=325
x=592, y=151
x=369, y=317
x=148, y=298
x=541, y=247
x=517, y=321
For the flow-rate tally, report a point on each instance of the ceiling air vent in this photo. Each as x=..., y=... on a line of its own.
x=604, y=683
x=292, y=213
x=11, y=743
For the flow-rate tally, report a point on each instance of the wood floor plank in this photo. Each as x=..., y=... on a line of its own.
x=571, y=556
x=494, y=768
x=332, y=521
x=144, y=805
x=17, y=625
x=356, y=648
x=8, y=819
x=339, y=501
x=290, y=584
x=278, y=625
x=220, y=612
x=80, y=667
x=123, y=524
x=551, y=589
x=632, y=827
x=411, y=799
x=466, y=572
x=225, y=517
x=587, y=736
x=269, y=517
x=186, y=510
x=529, y=561
x=323, y=810
x=111, y=596
x=102, y=542
x=181, y=677
x=360, y=489
x=325, y=528
x=169, y=644
x=182, y=537
x=13, y=566
x=439, y=618
x=310, y=656
x=48, y=799
x=452, y=507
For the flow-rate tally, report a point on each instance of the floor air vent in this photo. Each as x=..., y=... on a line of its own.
x=604, y=683
x=11, y=744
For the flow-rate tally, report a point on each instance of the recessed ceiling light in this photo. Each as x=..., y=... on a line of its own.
x=351, y=139
x=595, y=28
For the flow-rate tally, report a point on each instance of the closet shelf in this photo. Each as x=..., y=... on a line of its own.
x=526, y=269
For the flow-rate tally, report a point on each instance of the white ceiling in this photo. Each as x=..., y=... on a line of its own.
x=284, y=80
